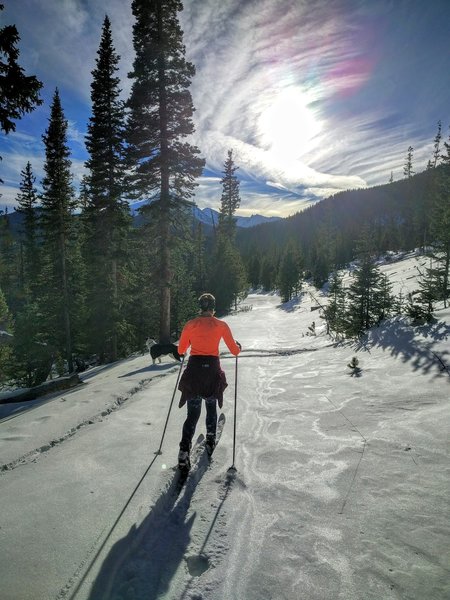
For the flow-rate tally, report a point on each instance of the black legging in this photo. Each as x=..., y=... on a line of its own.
x=194, y=408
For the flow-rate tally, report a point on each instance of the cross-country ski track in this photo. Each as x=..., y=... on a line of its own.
x=341, y=489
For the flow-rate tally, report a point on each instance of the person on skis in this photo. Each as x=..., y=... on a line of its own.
x=203, y=376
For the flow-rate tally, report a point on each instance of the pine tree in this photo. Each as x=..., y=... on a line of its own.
x=27, y=201
x=420, y=305
x=334, y=312
x=230, y=200
x=58, y=204
x=228, y=275
x=360, y=309
x=254, y=271
x=198, y=260
x=269, y=270
x=289, y=273
x=384, y=300
x=9, y=263
x=446, y=156
x=141, y=309
x=440, y=233
x=437, y=146
x=19, y=93
x=184, y=296
x=163, y=164
x=5, y=348
x=228, y=279
x=408, y=168
x=106, y=215
x=368, y=295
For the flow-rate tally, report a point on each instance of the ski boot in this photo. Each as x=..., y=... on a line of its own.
x=184, y=464
x=210, y=443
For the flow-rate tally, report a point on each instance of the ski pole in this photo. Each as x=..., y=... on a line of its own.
x=233, y=468
x=170, y=407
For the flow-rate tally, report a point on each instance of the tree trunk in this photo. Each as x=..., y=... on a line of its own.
x=66, y=315
x=115, y=307
x=164, y=325
x=446, y=268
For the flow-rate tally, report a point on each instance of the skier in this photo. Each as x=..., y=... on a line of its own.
x=203, y=377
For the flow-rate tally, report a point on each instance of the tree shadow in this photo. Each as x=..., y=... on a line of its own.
x=143, y=563
x=292, y=304
x=400, y=339
x=149, y=369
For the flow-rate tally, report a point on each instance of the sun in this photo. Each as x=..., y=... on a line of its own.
x=288, y=125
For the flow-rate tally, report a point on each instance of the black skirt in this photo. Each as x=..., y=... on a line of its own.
x=204, y=378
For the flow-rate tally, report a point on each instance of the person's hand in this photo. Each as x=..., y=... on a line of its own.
x=238, y=345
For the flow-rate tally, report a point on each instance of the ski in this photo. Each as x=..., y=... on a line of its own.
x=200, y=450
x=219, y=429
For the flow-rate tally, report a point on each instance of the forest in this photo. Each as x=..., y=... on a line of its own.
x=82, y=282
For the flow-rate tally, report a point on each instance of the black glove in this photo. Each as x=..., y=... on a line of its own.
x=238, y=345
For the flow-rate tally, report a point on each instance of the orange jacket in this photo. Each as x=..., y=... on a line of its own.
x=203, y=335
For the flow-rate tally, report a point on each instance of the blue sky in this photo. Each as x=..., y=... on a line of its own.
x=313, y=96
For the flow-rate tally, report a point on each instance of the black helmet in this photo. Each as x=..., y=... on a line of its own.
x=207, y=302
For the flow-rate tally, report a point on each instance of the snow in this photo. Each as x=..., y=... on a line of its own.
x=341, y=489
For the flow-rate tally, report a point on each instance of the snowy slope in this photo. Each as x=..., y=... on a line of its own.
x=342, y=482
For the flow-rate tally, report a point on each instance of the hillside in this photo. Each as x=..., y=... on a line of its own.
x=397, y=214
x=342, y=481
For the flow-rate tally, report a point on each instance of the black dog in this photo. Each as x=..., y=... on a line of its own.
x=158, y=350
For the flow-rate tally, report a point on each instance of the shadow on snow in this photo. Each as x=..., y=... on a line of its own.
x=400, y=339
x=143, y=563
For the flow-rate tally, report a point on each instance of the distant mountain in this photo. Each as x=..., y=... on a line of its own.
x=209, y=216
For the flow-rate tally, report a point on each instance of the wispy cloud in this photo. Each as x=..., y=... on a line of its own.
x=261, y=50
x=313, y=96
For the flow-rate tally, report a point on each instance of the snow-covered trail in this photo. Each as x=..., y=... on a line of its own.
x=341, y=490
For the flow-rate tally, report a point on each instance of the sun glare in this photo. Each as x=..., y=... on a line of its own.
x=288, y=126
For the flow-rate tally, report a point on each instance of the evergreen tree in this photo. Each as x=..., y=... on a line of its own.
x=230, y=200
x=141, y=310
x=27, y=201
x=9, y=263
x=446, y=156
x=163, y=164
x=84, y=194
x=334, y=312
x=198, y=261
x=440, y=232
x=269, y=269
x=184, y=296
x=383, y=299
x=368, y=295
x=5, y=348
x=408, y=168
x=289, y=273
x=254, y=271
x=360, y=310
x=437, y=146
x=58, y=204
x=106, y=215
x=228, y=277
x=19, y=93
x=420, y=305
x=33, y=355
